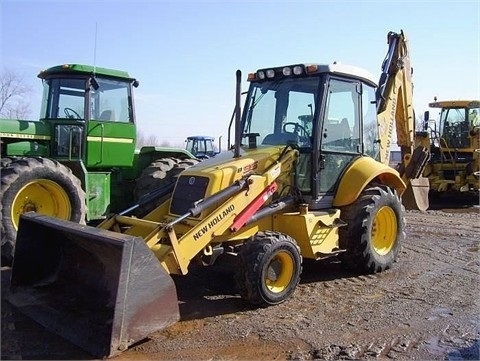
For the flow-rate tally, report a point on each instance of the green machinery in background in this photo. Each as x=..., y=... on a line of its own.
x=79, y=161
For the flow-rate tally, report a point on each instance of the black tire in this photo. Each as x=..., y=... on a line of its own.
x=269, y=268
x=40, y=185
x=6, y=161
x=375, y=230
x=158, y=174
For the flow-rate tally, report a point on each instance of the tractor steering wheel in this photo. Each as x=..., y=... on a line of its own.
x=70, y=113
x=296, y=128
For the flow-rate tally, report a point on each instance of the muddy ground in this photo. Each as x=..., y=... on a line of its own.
x=427, y=307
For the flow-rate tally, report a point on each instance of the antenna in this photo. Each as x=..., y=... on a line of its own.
x=95, y=50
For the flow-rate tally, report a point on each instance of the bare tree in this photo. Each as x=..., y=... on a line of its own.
x=152, y=139
x=13, y=93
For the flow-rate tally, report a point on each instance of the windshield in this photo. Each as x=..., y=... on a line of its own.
x=65, y=98
x=199, y=146
x=281, y=112
x=455, y=125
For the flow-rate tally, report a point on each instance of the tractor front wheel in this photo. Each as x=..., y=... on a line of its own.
x=40, y=185
x=269, y=268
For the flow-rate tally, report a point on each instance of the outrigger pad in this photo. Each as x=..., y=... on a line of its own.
x=101, y=290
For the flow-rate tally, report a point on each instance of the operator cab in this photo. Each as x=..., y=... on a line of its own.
x=202, y=147
x=458, y=124
x=91, y=114
x=328, y=112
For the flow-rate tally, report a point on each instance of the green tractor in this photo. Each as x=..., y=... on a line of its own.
x=79, y=162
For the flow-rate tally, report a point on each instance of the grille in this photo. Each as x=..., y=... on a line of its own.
x=189, y=189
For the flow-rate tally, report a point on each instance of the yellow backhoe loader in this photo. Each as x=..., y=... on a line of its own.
x=306, y=178
x=454, y=165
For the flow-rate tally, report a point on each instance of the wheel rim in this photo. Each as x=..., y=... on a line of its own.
x=42, y=196
x=384, y=230
x=279, y=272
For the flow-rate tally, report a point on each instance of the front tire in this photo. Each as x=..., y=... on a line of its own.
x=269, y=269
x=40, y=185
x=375, y=230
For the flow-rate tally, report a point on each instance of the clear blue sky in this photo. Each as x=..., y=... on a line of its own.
x=185, y=53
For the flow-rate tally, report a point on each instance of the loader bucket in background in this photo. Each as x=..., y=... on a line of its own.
x=101, y=290
x=415, y=196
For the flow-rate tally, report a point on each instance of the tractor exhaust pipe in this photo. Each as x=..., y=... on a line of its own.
x=101, y=290
x=238, y=131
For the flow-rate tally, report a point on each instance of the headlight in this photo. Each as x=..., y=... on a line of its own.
x=287, y=71
x=261, y=75
x=270, y=73
x=298, y=70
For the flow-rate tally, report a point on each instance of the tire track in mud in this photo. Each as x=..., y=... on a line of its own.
x=420, y=280
x=467, y=263
x=407, y=312
x=448, y=238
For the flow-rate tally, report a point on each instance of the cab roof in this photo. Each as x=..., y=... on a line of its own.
x=455, y=104
x=312, y=68
x=84, y=69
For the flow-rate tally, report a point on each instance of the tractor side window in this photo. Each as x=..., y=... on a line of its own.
x=111, y=101
x=66, y=98
x=370, y=126
x=474, y=117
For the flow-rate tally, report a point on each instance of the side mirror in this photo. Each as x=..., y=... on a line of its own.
x=426, y=117
x=93, y=83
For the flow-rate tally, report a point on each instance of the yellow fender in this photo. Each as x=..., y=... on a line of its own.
x=359, y=174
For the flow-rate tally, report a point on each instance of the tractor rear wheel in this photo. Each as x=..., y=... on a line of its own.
x=375, y=230
x=269, y=268
x=6, y=161
x=39, y=185
x=158, y=174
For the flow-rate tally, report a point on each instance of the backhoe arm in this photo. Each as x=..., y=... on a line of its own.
x=395, y=108
x=394, y=97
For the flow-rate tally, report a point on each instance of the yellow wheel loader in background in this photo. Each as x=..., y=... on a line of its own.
x=307, y=178
x=454, y=166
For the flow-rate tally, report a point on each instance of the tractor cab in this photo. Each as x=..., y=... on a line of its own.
x=202, y=147
x=91, y=114
x=326, y=111
x=457, y=123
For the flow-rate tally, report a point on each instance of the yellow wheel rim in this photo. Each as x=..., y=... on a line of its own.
x=42, y=196
x=279, y=272
x=384, y=230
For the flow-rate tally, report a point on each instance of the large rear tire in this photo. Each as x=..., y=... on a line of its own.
x=39, y=185
x=375, y=230
x=269, y=268
x=159, y=173
x=6, y=161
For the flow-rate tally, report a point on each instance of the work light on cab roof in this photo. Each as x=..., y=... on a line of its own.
x=285, y=71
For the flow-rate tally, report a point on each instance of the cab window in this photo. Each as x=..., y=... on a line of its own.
x=110, y=102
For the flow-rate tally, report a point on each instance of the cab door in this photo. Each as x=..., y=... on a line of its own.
x=339, y=136
x=111, y=131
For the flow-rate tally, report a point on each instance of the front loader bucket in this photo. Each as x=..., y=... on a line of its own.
x=101, y=290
